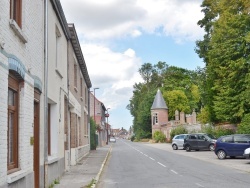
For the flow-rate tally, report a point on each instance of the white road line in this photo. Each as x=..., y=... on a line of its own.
x=199, y=185
x=161, y=164
x=174, y=172
x=146, y=155
x=151, y=158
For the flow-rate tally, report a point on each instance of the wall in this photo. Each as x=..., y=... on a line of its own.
x=28, y=55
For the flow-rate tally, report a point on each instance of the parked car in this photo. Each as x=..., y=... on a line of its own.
x=232, y=145
x=112, y=139
x=178, y=141
x=199, y=141
x=247, y=153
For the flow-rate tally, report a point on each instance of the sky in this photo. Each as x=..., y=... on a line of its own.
x=118, y=36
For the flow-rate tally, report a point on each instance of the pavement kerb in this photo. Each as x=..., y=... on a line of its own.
x=101, y=169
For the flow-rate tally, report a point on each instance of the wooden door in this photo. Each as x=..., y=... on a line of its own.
x=36, y=145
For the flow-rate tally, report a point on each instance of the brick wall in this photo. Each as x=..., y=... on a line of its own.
x=30, y=56
x=3, y=118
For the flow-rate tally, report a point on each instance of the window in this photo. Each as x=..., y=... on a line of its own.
x=86, y=96
x=16, y=11
x=155, y=118
x=13, y=95
x=81, y=88
x=49, y=131
x=227, y=139
x=75, y=75
x=58, y=47
x=241, y=139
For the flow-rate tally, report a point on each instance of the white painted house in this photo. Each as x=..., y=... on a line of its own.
x=58, y=36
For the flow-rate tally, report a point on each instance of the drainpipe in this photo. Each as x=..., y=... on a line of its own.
x=46, y=183
x=89, y=118
x=69, y=133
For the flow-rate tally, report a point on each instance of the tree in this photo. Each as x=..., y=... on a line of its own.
x=226, y=51
x=176, y=100
x=93, y=143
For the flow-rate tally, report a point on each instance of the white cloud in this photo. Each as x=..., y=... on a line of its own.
x=97, y=20
x=115, y=72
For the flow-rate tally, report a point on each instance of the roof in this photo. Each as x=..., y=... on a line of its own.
x=78, y=52
x=159, y=102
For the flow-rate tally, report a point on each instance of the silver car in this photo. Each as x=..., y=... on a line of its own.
x=178, y=141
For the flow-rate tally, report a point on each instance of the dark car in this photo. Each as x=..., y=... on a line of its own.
x=232, y=145
x=199, y=141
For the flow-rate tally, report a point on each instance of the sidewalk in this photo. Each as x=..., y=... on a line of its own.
x=86, y=170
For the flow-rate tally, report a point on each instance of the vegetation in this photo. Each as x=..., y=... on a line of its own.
x=93, y=181
x=178, y=130
x=220, y=91
x=244, y=127
x=159, y=137
x=92, y=134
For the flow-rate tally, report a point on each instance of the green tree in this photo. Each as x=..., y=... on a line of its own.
x=92, y=134
x=244, y=127
x=226, y=51
x=176, y=100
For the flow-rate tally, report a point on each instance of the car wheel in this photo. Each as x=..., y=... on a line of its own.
x=211, y=147
x=188, y=148
x=221, y=154
x=174, y=146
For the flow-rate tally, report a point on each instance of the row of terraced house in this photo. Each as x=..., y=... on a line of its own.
x=46, y=100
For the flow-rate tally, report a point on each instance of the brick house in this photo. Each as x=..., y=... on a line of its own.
x=79, y=84
x=97, y=112
x=22, y=99
x=160, y=122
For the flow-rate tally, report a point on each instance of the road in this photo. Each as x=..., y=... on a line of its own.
x=140, y=165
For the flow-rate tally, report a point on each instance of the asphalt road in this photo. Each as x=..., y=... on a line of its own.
x=144, y=165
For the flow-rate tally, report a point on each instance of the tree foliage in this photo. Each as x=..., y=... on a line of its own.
x=225, y=49
x=179, y=87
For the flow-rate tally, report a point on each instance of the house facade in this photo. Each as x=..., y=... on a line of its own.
x=22, y=93
x=97, y=112
x=45, y=97
x=79, y=85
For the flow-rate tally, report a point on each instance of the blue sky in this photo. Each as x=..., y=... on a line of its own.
x=118, y=36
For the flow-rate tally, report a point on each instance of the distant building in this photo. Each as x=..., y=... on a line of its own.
x=159, y=117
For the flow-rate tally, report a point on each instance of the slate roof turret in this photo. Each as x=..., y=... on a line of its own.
x=159, y=102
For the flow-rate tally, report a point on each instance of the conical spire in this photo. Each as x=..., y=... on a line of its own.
x=159, y=101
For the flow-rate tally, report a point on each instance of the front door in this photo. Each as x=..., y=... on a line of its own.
x=36, y=145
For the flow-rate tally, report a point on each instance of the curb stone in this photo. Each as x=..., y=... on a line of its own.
x=101, y=169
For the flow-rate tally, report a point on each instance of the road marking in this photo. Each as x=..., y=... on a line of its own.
x=146, y=155
x=199, y=185
x=161, y=164
x=151, y=158
x=174, y=172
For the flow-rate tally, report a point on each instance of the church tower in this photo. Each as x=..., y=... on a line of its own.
x=159, y=112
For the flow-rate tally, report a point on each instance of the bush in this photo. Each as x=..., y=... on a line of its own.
x=178, y=130
x=159, y=136
x=220, y=131
x=217, y=131
x=244, y=127
x=132, y=138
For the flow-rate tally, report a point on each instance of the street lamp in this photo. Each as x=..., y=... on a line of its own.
x=94, y=101
x=107, y=115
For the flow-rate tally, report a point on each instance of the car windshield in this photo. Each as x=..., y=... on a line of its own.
x=210, y=136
